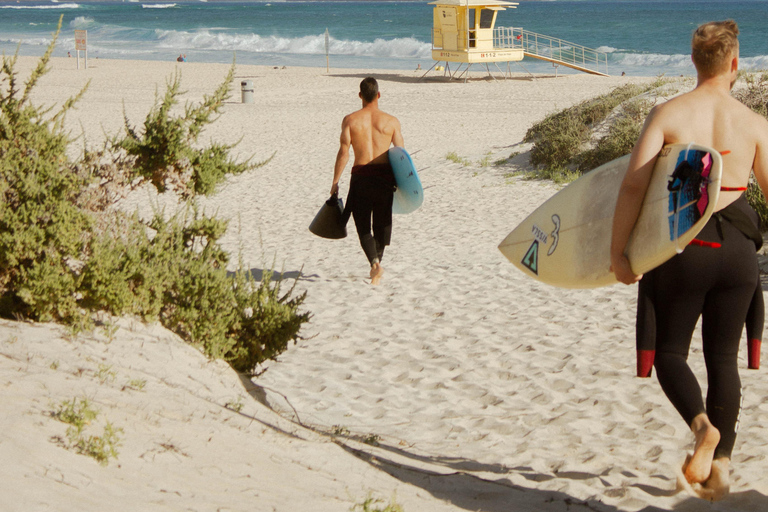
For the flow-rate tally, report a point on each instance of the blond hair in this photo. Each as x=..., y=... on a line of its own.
x=713, y=45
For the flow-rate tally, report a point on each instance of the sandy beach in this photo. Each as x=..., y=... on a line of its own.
x=459, y=384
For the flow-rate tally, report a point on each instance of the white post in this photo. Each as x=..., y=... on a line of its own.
x=327, y=49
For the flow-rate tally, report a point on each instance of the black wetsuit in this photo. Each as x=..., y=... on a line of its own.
x=371, y=190
x=717, y=278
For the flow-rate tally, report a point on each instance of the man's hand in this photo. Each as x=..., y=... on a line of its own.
x=623, y=271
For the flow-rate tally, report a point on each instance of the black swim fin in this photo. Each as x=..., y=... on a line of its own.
x=329, y=221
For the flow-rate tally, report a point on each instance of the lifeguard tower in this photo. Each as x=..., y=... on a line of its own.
x=465, y=32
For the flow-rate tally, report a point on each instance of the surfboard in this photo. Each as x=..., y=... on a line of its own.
x=409, y=194
x=566, y=241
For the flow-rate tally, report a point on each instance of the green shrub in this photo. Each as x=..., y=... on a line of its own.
x=559, y=139
x=164, y=152
x=265, y=320
x=619, y=141
x=65, y=253
x=755, y=96
x=41, y=228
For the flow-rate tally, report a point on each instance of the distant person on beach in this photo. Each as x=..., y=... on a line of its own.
x=370, y=132
x=715, y=279
x=181, y=58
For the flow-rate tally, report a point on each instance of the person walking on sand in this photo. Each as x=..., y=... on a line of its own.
x=714, y=282
x=370, y=132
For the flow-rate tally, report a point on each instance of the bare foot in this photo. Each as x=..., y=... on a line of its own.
x=376, y=272
x=718, y=485
x=697, y=470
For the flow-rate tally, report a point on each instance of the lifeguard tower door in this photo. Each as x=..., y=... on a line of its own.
x=446, y=18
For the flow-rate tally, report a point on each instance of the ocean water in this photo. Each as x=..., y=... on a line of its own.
x=642, y=37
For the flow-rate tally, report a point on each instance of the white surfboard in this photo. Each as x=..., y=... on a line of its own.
x=409, y=194
x=566, y=241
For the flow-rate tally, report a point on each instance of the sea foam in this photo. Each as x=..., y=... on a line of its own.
x=313, y=45
x=55, y=6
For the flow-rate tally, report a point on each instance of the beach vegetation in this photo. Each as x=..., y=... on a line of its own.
x=755, y=96
x=486, y=160
x=372, y=504
x=455, y=158
x=165, y=151
x=135, y=384
x=66, y=254
x=106, y=374
x=235, y=405
x=622, y=133
x=340, y=430
x=755, y=92
x=78, y=415
x=561, y=142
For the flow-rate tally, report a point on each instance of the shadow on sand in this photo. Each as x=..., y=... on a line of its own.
x=451, y=479
x=258, y=274
x=434, y=79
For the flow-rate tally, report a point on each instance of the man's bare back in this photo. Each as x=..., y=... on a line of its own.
x=371, y=132
x=710, y=116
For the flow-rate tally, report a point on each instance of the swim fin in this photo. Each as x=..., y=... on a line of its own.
x=329, y=221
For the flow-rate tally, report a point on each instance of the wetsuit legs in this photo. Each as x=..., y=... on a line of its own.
x=373, y=244
x=373, y=208
x=717, y=284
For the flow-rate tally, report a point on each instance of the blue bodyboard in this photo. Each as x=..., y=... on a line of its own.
x=409, y=194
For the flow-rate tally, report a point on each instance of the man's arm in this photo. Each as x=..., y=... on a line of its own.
x=632, y=193
x=342, y=157
x=397, y=135
x=760, y=165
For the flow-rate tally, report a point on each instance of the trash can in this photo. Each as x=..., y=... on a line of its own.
x=246, y=87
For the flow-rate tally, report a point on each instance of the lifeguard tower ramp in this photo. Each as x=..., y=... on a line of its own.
x=465, y=32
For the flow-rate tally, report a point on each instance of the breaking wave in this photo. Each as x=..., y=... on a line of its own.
x=308, y=45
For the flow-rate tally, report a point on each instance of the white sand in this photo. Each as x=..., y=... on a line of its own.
x=484, y=389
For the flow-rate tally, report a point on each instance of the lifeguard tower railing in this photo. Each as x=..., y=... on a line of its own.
x=537, y=46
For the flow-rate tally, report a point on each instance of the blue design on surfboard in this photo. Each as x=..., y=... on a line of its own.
x=688, y=191
x=409, y=194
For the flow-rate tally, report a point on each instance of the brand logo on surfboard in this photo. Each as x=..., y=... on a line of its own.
x=555, y=234
x=531, y=258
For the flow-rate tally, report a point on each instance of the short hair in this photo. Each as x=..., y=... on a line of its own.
x=713, y=45
x=369, y=89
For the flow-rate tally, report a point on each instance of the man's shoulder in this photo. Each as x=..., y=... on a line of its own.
x=387, y=117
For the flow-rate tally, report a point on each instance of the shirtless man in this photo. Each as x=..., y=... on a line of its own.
x=715, y=283
x=370, y=132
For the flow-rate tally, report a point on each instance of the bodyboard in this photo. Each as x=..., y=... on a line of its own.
x=409, y=194
x=566, y=241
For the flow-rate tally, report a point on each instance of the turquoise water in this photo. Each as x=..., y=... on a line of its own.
x=641, y=37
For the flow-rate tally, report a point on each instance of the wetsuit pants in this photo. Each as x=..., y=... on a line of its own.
x=717, y=284
x=370, y=203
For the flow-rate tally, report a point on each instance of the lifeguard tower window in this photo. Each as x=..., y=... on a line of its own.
x=486, y=18
x=471, y=24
